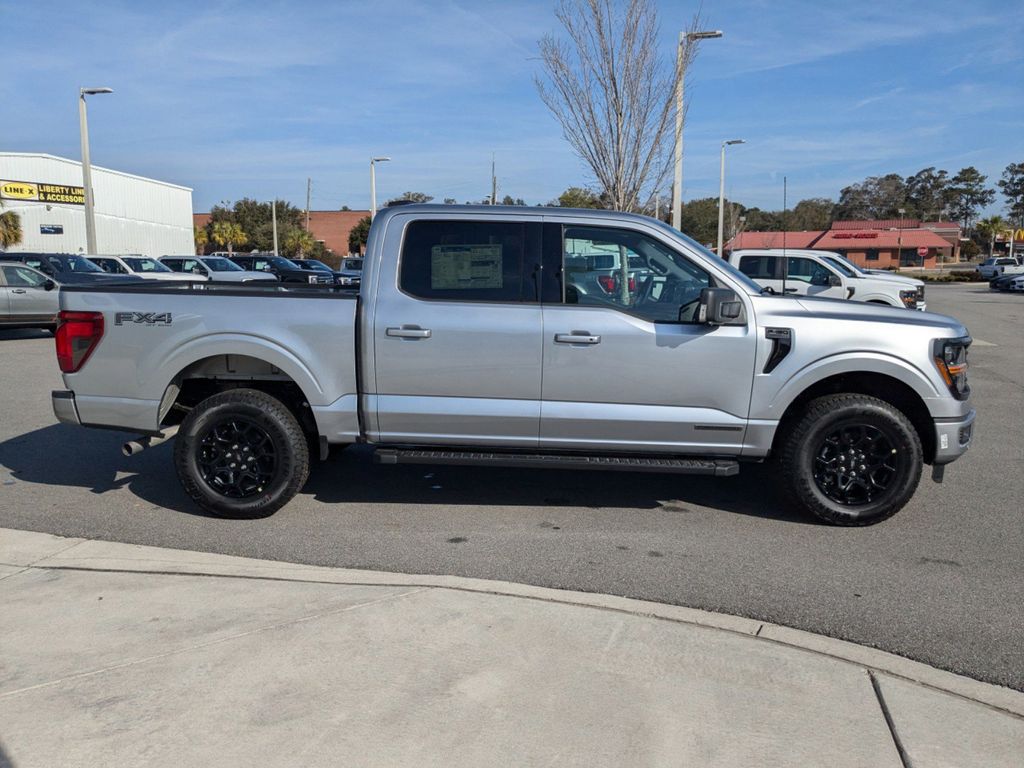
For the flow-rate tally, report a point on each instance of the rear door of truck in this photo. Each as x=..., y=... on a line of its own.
x=457, y=331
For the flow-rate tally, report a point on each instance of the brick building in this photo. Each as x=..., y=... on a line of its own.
x=881, y=244
x=329, y=227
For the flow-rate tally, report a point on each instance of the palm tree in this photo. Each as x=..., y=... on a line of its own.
x=990, y=228
x=201, y=239
x=10, y=229
x=298, y=242
x=227, y=233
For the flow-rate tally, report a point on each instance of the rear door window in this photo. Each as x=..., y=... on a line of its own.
x=479, y=261
x=760, y=267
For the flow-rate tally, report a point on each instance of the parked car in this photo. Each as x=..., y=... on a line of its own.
x=842, y=263
x=284, y=270
x=138, y=266
x=213, y=268
x=809, y=273
x=28, y=298
x=1016, y=284
x=339, y=277
x=66, y=268
x=465, y=345
x=1002, y=282
x=1000, y=265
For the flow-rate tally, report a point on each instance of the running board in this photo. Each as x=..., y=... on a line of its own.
x=679, y=466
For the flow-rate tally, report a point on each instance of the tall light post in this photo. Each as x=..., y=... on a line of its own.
x=899, y=239
x=373, y=183
x=685, y=39
x=83, y=125
x=721, y=192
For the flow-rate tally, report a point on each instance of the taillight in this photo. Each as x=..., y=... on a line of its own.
x=632, y=284
x=607, y=282
x=78, y=333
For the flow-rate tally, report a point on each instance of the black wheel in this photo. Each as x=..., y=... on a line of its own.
x=851, y=459
x=241, y=454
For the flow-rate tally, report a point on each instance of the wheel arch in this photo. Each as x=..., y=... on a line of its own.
x=885, y=387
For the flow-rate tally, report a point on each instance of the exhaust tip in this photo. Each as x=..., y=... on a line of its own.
x=132, y=447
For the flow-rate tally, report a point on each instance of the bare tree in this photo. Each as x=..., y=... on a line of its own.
x=613, y=94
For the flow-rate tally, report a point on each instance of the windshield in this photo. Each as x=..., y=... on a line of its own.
x=217, y=264
x=73, y=264
x=282, y=263
x=711, y=256
x=145, y=265
x=353, y=264
x=846, y=268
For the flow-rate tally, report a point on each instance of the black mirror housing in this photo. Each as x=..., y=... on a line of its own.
x=49, y=285
x=834, y=281
x=719, y=306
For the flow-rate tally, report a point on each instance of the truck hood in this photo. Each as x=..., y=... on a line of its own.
x=838, y=309
x=890, y=278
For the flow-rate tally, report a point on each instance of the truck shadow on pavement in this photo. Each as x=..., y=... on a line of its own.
x=71, y=457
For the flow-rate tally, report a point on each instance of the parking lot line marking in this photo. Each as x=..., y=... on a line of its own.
x=980, y=343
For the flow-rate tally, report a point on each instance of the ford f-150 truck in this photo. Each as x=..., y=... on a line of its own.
x=472, y=341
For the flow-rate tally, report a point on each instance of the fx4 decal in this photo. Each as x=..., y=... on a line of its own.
x=142, y=318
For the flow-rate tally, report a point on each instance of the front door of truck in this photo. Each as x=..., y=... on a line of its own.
x=811, y=278
x=632, y=370
x=457, y=333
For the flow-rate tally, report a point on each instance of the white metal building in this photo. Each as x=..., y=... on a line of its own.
x=133, y=214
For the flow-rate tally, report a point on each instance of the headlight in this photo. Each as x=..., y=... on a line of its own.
x=950, y=356
x=909, y=298
x=920, y=294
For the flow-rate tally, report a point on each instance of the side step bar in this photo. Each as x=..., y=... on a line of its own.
x=681, y=466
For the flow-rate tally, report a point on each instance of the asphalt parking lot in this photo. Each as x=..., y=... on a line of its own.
x=942, y=582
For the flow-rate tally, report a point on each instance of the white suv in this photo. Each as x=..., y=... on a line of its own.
x=137, y=266
x=814, y=273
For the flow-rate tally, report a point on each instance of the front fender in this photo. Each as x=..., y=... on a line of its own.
x=770, y=398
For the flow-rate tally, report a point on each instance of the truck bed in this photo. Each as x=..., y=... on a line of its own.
x=158, y=334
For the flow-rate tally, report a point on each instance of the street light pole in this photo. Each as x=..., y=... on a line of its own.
x=685, y=39
x=273, y=218
x=899, y=240
x=721, y=192
x=373, y=183
x=83, y=126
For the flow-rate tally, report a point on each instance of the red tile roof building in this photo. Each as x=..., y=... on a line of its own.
x=884, y=244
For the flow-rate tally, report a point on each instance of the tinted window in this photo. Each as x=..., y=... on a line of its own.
x=109, y=265
x=759, y=267
x=22, y=276
x=144, y=264
x=647, y=279
x=172, y=264
x=807, y=271
x=222, y=265
x=470, y=260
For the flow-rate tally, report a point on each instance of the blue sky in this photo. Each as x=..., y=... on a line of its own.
x=242, y=99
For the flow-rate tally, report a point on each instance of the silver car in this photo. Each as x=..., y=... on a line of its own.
x=28, y=298
x=213, y=268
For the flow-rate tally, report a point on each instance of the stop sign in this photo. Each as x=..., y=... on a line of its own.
x=922, y=251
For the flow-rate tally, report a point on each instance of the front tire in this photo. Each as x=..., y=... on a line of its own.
x=851, y=460
x=241, y=454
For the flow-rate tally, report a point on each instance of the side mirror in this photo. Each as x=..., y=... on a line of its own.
x=49, y=285
x=719, y=306
x=835, y=281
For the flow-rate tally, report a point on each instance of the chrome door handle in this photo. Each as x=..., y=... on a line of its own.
x=18, y=290
x=576, y=338
x=407, y=333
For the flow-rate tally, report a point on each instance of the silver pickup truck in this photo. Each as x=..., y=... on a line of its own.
x=474, y=340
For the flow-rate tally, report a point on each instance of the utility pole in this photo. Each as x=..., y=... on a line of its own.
x=721, y=192
x=685, y=40
x=494, y=183
x=273, y=218
x=83, y=126
x=309, y=191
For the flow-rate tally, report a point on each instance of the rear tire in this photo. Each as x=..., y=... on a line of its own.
x=241, y=454
x=851, y=460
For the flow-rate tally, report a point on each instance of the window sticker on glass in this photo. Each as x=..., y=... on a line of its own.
x=465, y=266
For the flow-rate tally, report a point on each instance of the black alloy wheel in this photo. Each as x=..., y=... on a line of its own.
x=856, y=464
x=850, y=459
x=241, y=454
x=237, y=458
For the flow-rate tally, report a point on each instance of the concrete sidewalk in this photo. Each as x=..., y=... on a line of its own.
x=114, y=654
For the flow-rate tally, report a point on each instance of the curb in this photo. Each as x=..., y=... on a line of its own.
x=25, y=549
